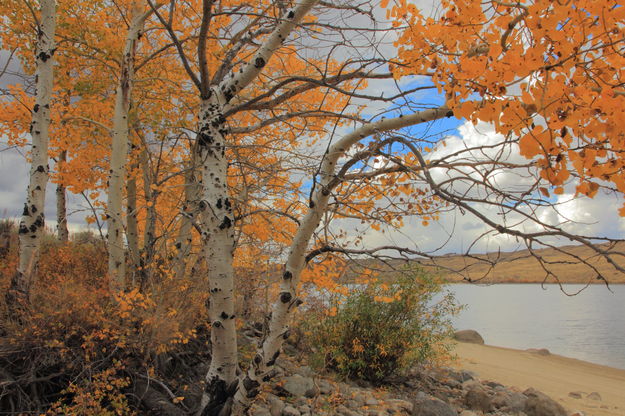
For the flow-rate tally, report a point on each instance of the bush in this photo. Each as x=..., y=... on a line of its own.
x=379, y=330
x=81, y=349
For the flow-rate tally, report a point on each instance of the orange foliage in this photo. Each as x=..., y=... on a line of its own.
x=550, y=73
x=77, y=329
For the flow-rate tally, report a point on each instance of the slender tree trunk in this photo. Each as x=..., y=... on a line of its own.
x=287, y=301
x=61, y=205
x=132, y=227
x=119, y=150
x=149, y=232
x=190, y=210
x=33, y=221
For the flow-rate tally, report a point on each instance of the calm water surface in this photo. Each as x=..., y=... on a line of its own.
x=589, y=326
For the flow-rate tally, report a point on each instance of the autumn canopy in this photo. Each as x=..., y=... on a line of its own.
x=228, y=151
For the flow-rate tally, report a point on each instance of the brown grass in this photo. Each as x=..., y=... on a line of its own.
x=562, y=265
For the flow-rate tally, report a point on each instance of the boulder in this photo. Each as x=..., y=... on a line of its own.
x=257, y=410
x=463, y=375
x=539, y=404
x=469, y=335
x=299, y=386
x=275, y=405
x=290, y=411
x=509, y=401
x=304, y=371
x=399, y=405
x=304, y=409
x=476, y=398
x=430, y=406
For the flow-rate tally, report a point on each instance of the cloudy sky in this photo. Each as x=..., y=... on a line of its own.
x=456, y=230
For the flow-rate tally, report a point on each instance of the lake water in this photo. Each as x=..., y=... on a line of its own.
x=589, y=326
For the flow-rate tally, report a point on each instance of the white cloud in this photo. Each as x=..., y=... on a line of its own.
x=457, y=229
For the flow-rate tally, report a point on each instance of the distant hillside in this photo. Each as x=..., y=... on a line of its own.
x=515, y=267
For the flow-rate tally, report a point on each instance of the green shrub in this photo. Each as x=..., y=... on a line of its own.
x=380, y=330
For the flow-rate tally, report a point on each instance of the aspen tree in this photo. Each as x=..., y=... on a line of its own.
x=119, y=150
x=33, y=221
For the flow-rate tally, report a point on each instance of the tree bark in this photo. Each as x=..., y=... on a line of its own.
x=217, y=220
x=61, y=205
x=33, y=221
x=119, y=150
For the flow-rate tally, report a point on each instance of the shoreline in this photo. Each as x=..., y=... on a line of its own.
x=516, y=282
x=569, y=381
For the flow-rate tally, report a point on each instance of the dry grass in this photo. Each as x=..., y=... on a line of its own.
x=562, y=265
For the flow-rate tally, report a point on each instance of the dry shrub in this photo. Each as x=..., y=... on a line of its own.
x=79, y=348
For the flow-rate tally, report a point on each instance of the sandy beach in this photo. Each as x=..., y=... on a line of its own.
x=552, y=374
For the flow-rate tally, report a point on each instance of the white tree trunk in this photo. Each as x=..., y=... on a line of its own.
x=190, y=209
x=132, y=229
x=287, y=301
x=217, y=224
x=33, y=221
x=61, y=206
x=217, y=218
x=149, y=231
x=119, y=150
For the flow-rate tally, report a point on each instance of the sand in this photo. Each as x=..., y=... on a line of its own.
x=552, y=374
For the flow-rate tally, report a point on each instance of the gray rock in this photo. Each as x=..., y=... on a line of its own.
x=494, y=384
x=353, y=404
x=342, y=410
x=304, y=409
x=399, y=405
x=452, y=382
x=299, y=401
x=275, y=405
x=575, y=394
x=257, y=410
x=539, y=404
x=476, y=398
x=304, y=371
x=594, y=396
x=461, y=376
x=469, y=335
x=510, y=401
x=290, y=411
x=325, y=387
x=470, y=384
x=539, y=351
x=298, y=386
x=345, y=389
x=432, y=407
